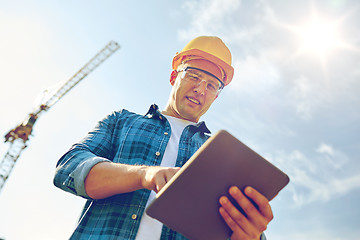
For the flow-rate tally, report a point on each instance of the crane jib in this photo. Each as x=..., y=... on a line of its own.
x=19, y=136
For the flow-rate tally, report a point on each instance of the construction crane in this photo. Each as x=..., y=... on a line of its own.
x=19, y=136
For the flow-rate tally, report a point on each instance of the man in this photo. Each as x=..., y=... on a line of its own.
x=127, y=158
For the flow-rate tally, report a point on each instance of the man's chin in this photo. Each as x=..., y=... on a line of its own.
x=188, y=117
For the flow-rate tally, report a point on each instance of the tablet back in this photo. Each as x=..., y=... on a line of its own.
x=189, y=201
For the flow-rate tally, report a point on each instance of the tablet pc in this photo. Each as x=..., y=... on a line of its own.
x=188, y=203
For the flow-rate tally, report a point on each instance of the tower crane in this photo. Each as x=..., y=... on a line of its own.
x=19, y=136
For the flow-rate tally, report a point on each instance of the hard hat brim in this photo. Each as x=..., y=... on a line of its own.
x=228, y=69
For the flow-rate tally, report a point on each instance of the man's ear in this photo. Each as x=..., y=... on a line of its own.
x=173, y=76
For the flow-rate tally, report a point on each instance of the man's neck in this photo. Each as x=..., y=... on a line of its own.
x=172, y=113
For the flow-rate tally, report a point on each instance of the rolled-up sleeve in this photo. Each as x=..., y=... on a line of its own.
x=73, y=167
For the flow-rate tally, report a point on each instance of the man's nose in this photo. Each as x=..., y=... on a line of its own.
x=201, y=87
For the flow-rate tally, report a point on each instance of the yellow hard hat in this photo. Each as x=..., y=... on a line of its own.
x=212, y=49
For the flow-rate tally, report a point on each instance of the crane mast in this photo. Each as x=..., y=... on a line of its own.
x=19, y=136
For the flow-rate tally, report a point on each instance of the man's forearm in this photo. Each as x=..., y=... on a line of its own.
x=106, y=179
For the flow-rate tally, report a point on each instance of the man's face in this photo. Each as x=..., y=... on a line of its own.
x=191, y=99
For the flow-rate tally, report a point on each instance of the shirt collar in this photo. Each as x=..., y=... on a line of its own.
x=155, y=113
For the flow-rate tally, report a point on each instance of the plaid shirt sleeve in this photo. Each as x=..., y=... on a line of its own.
x=96, y=147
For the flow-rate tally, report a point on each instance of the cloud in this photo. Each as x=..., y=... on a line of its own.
x=255, y=73
x=208, y=17
x=305, y=96
x=319, y=178
x=310, y=234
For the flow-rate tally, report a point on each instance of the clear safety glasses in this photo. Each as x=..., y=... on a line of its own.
x=213, y=85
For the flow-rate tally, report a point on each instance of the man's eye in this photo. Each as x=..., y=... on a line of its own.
x=193, y=77
x=211, y=86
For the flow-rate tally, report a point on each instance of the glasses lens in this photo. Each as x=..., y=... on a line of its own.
x=197, y=77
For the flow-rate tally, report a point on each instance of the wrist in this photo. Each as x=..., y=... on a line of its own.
x=140, y=172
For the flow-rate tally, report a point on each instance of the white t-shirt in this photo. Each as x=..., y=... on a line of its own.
x=150, y=228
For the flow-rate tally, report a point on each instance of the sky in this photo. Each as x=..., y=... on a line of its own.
x=294, y=98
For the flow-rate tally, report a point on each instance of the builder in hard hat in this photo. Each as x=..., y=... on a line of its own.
x=127, y=158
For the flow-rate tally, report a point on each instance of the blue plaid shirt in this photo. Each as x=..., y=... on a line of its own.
x=122, y=137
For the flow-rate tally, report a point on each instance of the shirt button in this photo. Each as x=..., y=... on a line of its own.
x=133, y=216
x=157, y=153
x=160, y=117
x=166, y=133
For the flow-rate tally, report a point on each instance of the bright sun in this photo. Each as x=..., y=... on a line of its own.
x=318, y=37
